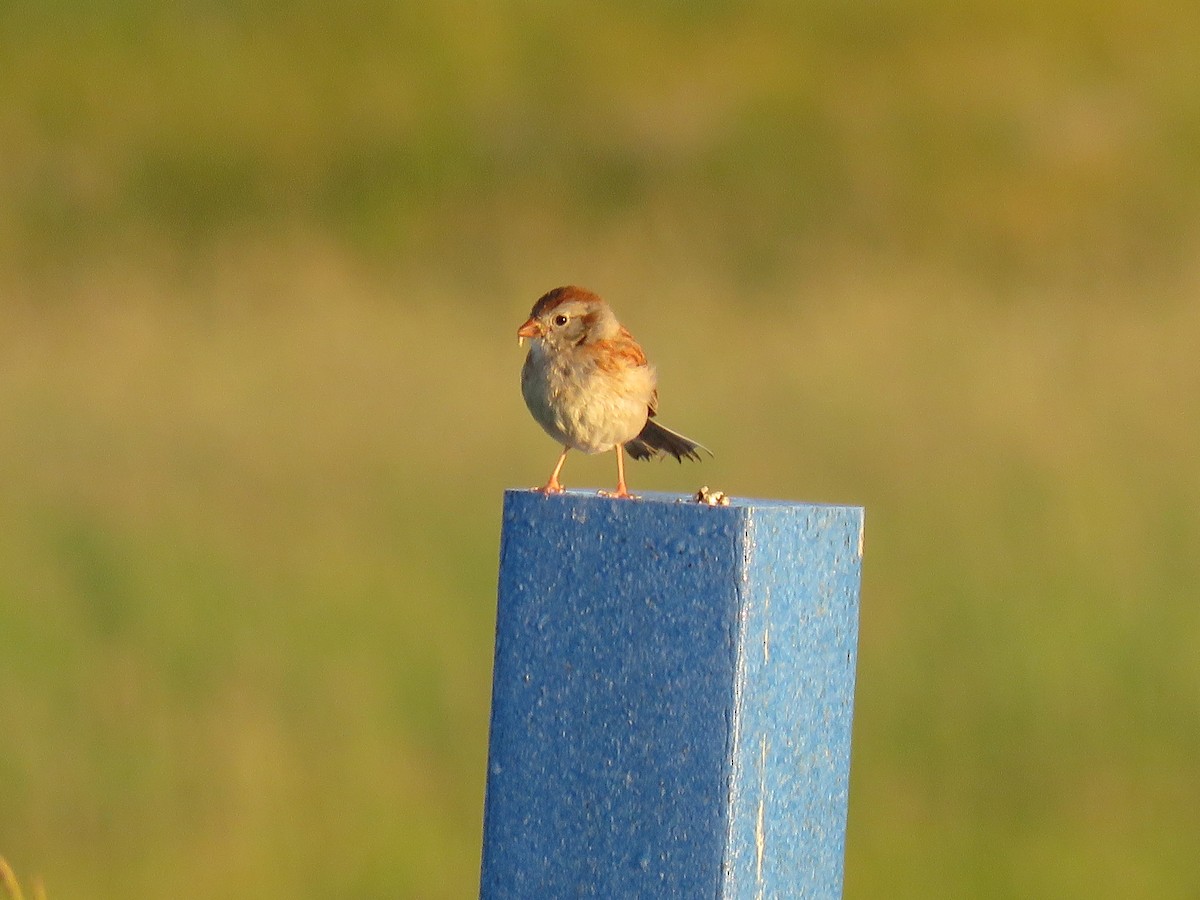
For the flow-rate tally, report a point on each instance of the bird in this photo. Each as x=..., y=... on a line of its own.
x=587, y=382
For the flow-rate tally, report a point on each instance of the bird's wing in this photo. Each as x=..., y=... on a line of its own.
x=628, y=352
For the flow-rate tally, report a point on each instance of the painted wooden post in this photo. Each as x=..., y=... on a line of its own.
x=672, y=698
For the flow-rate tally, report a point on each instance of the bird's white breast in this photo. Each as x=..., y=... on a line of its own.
x=582, y=406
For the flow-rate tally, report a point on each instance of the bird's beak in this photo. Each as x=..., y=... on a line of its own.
x=531, y=329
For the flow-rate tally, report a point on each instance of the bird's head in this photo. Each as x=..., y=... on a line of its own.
x=568, y=316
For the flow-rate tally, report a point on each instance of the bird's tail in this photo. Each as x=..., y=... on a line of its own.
x=657, y=441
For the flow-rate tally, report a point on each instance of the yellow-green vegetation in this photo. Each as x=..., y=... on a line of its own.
x=12, y=887
x=261, y=268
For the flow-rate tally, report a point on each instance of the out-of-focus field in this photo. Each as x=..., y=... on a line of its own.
x=261, y=268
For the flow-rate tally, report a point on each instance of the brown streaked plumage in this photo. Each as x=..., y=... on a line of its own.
x=588, y=384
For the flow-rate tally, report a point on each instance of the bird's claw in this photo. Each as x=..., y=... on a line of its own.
x=619, y=494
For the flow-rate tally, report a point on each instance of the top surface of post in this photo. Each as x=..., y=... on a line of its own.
x=685, y=500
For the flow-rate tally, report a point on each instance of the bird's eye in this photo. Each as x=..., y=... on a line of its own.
x=560, y=320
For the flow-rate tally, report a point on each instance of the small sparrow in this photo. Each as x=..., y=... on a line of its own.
x=587, y=383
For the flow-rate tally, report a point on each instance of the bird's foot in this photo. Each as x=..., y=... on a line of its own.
x=621, y=493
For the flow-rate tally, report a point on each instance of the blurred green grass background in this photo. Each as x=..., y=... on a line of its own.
x=261, y=269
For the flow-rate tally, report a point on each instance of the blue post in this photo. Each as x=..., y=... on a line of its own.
x=672, y=698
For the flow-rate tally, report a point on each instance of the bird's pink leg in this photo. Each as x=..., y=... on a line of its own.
x=622, y=490
x=553, y=486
